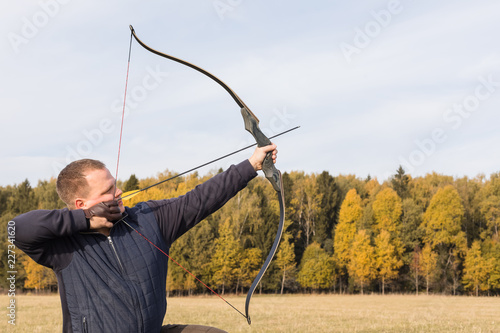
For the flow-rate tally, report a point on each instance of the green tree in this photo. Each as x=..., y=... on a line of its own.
x=23, y=199
x=46, y=195
x=327, y=189
x=410, y=230
x=362, y=265
x=131, y=184
x=400, y=183
x=308, y=205
x=316, y=269
x=490, y=208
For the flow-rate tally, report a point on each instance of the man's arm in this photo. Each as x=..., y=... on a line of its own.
x=178, y=215
x=36, y=231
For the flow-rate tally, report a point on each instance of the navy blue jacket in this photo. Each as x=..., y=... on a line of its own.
x=117, y=283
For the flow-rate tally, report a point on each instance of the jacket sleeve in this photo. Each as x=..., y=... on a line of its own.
x=38, y=232
x=178, y=215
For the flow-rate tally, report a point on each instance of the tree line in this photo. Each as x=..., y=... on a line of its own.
x=343, y=234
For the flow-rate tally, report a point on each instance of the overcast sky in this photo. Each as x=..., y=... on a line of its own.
x=373, y=85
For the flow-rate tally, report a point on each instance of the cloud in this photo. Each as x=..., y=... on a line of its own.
x=357, y=117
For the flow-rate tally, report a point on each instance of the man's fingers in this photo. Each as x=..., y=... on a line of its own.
x=269, y=148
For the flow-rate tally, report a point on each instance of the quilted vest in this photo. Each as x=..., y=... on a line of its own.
x=117, y=283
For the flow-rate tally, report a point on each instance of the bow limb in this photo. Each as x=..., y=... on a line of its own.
x=199, y=69
x=270, y=171
x=269, y=256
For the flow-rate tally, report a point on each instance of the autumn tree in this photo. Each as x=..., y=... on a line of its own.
x=285, y=259
x=362, y=265
x=224, y=261
x=442, y=230
x=38, y=277
x=427, y=265
x=345, y=231
x=177, y=277
x=491, y=254
x=387, y=209
x=387, y=258
x=476, y=269
x=249, y=265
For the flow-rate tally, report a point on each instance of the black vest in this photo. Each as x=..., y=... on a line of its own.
x=116, y=283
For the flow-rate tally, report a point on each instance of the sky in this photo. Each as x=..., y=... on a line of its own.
x=372, y=84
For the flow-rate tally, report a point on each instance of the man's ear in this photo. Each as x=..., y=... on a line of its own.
x=80, y=203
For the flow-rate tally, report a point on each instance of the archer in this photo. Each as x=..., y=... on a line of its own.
x=110, y=279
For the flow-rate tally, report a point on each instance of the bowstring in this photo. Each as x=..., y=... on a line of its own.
x=178, y=264
x=123, y=113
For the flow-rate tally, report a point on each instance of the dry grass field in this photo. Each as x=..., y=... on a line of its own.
x=297, y=313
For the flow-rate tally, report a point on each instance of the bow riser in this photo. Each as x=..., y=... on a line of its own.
x=252, y=126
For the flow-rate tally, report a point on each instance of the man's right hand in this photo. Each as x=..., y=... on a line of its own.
x=103, y=214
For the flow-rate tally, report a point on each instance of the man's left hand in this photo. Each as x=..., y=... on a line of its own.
x=260, y=154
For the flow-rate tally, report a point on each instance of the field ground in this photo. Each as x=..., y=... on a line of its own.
x=295, y=313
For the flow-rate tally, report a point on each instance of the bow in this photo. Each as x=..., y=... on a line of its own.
x=270, y=171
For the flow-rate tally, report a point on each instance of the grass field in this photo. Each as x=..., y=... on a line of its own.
x=298, y=313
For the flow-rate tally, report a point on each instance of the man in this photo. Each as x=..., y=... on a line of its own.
x=110, y=278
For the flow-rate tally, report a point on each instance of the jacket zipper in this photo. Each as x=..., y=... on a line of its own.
x=116, y=254
x=123, y=273
x=84, y=322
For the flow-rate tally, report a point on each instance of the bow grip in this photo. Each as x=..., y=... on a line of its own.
x=252, y=125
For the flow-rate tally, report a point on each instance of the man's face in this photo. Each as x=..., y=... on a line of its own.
x=101, y=188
